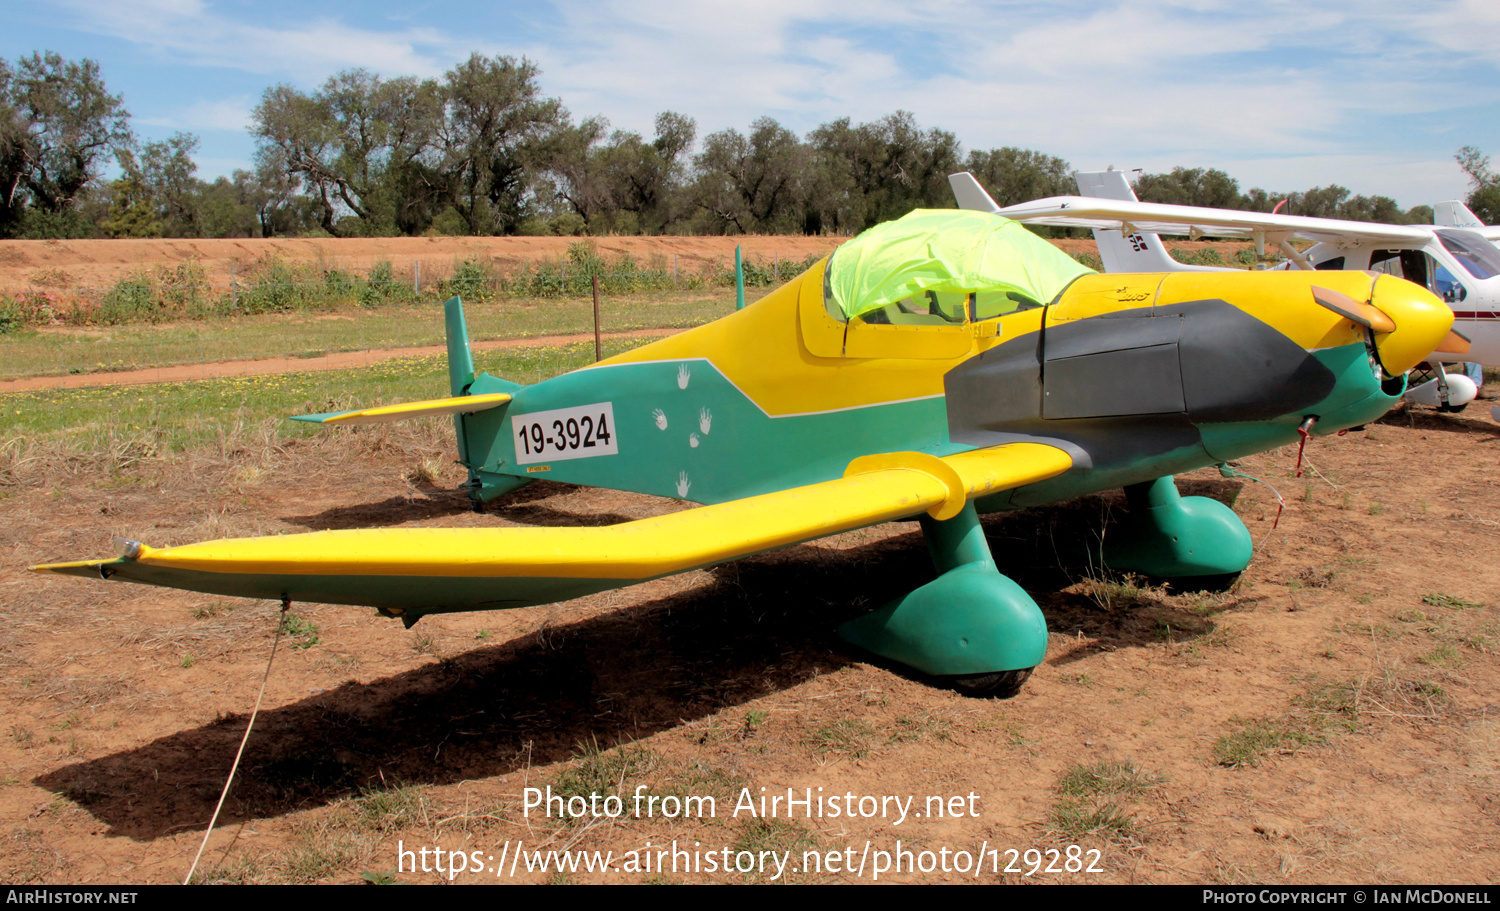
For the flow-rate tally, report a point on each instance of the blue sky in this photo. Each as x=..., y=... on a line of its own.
x=1373, y=95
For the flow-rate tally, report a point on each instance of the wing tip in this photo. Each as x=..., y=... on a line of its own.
x=86, y=568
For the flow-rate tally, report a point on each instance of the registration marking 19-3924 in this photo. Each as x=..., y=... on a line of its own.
x=580, y=432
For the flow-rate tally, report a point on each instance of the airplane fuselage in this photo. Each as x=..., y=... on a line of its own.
x=1129, y=374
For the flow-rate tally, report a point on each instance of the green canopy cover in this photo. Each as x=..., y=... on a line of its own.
x=946, y=251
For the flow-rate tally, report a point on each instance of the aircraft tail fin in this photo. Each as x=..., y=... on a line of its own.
x=970, y=195
x=1133, y=251
x=1454, y=214
x=460, y=355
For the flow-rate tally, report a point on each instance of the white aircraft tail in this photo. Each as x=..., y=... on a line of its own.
x=970, y=195
x=1454, y=214
x=1136, y=251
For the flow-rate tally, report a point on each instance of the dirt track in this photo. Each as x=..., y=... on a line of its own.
x=273, y=365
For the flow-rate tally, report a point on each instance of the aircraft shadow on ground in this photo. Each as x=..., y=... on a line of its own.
x=1474, y=421
x=527, y=506
x=388, y=512
x=761, y=626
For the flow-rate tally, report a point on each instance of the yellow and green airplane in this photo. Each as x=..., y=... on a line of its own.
x=937, y=367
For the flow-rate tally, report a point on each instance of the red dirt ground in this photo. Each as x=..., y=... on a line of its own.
x=1359, y=647
x=64, y=264
x=100, y=263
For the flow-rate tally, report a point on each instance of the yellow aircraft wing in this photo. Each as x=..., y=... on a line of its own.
x=463, y=404
x=436, y=569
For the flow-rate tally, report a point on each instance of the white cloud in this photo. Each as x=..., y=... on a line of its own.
x=307, y=52
x=224, y=114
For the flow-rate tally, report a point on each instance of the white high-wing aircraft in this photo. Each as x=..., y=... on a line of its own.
x=1457, y=261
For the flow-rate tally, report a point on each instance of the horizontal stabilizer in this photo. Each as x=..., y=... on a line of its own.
x=422, y=570
x=463, y=404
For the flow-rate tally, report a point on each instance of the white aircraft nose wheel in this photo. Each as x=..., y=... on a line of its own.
x=999, y=685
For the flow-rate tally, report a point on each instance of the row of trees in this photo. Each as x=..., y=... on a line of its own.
x=483, y=151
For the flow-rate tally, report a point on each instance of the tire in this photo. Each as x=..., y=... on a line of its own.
x=999, y=685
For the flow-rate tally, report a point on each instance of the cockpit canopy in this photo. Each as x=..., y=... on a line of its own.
x=947, y=266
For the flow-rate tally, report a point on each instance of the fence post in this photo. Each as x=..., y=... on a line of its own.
x=234, y=294
x=598, y=347
x=674, y=271
x=776, y=270
x=416, y=276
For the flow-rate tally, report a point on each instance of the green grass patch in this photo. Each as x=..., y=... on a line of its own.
x=1072, y=819
x=1438, y=599
x=148, y=418
x=1107, y=778
x=302, y=632
x=1330, y=708
x=387, y=809
x=845, y=737
x=135, y=346
x=1444, y=655
x=1099, y=800
x=1254, y=739
x=602, y=772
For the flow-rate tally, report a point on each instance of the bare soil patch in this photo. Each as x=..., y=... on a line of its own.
x=76, y=264
x=64, y=264
x=1332, y=719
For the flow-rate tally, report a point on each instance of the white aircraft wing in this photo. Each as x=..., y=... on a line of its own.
x=1130, y=217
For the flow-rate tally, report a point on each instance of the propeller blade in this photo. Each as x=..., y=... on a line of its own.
x=1454, y=342
x=1364, y=314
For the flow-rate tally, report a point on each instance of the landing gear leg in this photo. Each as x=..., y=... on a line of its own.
x=972, y=627
x=1193, y=542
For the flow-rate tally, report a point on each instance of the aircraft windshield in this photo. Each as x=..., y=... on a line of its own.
x=935, y=267
x=1473, y=252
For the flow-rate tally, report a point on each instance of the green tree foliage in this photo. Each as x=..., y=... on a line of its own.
x=624, y=185
x=483, y=151
x=389, y=156
x=1216, y=189
x=877, y=171
x=1015, y=175
x=1484, y=184
x=496, y=126
x=751, y=184
x=1190, y=187
x=58, y=126
x=157, y=195
x=361, y=148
